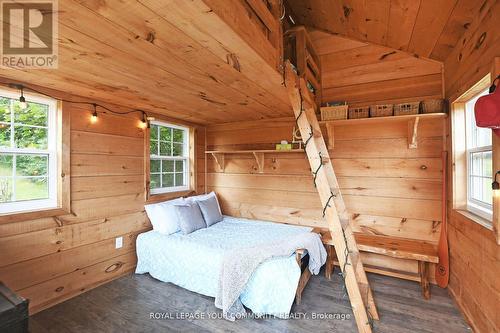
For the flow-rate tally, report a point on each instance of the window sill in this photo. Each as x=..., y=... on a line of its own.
x=476, y=218
x=31, y=215
x=154, y=198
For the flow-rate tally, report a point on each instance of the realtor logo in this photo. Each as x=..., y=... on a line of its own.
x=29, y=34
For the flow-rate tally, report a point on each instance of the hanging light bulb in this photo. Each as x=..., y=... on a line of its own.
x=93, y=118
x=143, y=123
x=22, y=100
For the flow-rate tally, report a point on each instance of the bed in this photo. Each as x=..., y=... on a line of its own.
x=193, y=261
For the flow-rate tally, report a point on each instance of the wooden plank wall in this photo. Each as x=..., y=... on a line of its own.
x=363, y=74
x=48, y=260
x=390, y=189
x=474, y=253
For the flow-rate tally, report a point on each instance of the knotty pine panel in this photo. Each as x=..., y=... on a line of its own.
x=388, y=188
x=50, y=259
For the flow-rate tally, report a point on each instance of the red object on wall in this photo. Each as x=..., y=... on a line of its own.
x=487, y=109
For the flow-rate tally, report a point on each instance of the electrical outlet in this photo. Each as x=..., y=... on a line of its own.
x=118, y=242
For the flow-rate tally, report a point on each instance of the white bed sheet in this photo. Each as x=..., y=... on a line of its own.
x=193, y=261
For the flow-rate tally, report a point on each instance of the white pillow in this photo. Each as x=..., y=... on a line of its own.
x=163, y=216
x=204, y=197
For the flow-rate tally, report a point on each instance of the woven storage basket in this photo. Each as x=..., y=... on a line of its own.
x=382, y=110
x=406, y=108
x=334, y=112
x=433, y=106
x=360, y=112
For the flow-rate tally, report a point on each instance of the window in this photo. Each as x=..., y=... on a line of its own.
x=28, y=154
x=479, y=163
x=169, y=158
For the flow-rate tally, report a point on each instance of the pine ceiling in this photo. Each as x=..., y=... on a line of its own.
x=427, y=28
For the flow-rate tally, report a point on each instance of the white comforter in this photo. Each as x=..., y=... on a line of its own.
x=193, y=261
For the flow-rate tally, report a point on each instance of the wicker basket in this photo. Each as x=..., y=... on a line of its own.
x=334, y=112
x=404, y=109
x=433, y=106
x=382, y=110
x=359, y=112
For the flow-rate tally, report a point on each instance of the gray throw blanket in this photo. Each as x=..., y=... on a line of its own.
x=238, y=266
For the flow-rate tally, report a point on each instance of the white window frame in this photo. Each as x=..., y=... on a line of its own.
x=474, y=206
x=52, y=201
x=185, y=157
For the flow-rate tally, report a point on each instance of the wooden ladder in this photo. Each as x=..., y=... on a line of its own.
x=356, y=282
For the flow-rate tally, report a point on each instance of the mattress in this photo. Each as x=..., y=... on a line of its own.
x=192, y=261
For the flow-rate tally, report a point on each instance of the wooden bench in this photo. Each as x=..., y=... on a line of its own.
x=421, y=251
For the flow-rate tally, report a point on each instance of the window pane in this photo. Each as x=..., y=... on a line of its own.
x=30, y=137
x=476, y=164
x=487, y=191
x=179, y=166
x=155, y=166
x=35, y=114
x=5, y=189
x=165, y=149
x=476, y=188
x=178, y=135
x=31, y=188
x=6, y=165
x=179, y=179
x=167, y=166
x=483, y=137
x=165, y=133
x=153, y=132
x=178, y=149
x=4, y=135
x=168, y=180
x=154, y=181
x=4, y=109
x=153, y=148
x=31, y=165
x=487, y=164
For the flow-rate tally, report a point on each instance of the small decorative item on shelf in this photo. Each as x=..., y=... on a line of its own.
x=284, y=145
x=404, y=109
x=296, y=138
x=359, y=112
x=433, y=106
x=334, y=111
x=381, y=110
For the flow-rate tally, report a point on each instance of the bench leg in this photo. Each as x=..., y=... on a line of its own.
x=423, y=271
x=330, y=250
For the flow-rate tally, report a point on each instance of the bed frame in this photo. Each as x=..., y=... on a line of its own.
x=303, y=262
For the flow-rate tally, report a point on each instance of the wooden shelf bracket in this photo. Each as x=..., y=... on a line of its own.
x=220, y=160
x=259, y=158
x=412, y=133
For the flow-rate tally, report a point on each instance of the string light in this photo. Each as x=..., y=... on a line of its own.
x=144, y=123
x=22, y=100
x=93, y=118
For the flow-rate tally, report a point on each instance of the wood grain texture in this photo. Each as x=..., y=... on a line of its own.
x=52, y=259
x=473, y=248
x=399, y=302
x=424, y=28
x=158, y=63
x=365, y=74
x=390, y=189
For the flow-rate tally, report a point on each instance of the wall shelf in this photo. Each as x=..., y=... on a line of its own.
x=258, y=154
x=375, y=120
x=413, y=121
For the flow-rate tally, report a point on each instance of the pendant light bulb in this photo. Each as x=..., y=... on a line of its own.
x=22, y=101
x=144, y=123
x=93, y=118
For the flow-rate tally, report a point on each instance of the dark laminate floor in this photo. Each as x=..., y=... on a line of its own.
x=124, y=305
